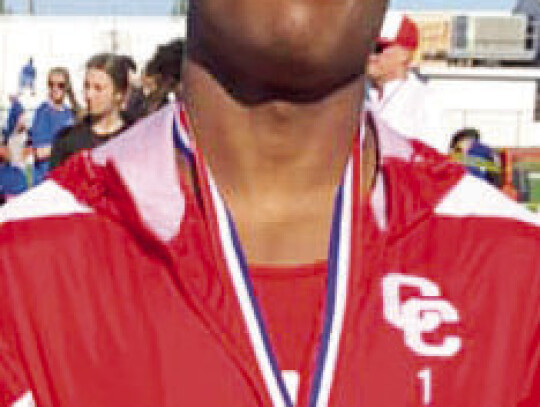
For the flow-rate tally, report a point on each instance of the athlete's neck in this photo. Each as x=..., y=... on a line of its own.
x=277, y=163
x=271, y=145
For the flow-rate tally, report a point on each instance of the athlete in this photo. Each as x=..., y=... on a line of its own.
x=265, y=242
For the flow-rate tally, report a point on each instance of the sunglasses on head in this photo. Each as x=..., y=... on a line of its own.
x=59, y=85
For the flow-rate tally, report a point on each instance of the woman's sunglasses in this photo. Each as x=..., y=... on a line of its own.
x=59, y=85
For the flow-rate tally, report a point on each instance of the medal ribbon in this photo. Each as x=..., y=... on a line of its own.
x=337, y=280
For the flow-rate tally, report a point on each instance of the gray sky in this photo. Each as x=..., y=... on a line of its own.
x=162, y=7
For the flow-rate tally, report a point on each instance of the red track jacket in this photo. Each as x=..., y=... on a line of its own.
x=119, y=287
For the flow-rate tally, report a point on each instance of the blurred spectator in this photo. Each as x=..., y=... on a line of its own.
x=13, y=179
x=131, y=65
x=50, y=117
x=162, y=76
x=12, y=182
x=135, y=105
x=14, y=156
x=27, y=77
x=480, y=160
x=16, y=110
x=106, y=86
x=397, y=94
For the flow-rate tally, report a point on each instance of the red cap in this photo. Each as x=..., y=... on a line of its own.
x=399, y=30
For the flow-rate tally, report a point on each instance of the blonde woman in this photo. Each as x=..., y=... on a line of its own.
x=50, y=118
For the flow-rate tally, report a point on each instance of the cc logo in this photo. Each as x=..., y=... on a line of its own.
x=419, y=315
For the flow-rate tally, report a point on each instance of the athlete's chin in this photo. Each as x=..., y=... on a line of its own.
x=304, y=74
x=285, y=70
x=306, y=85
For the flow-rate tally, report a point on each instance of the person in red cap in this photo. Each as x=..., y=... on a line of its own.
x=397, y=94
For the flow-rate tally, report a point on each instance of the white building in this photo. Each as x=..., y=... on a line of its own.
x=501, y=102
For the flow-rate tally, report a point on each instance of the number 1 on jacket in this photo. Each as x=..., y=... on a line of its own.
x=425, y=377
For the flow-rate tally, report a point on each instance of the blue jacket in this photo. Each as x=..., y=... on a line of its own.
x=48, y=121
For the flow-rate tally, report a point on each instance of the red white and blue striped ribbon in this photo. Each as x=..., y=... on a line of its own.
x=337, y=283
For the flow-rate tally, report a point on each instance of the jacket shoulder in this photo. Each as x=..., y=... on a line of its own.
x=474, y=198
x=46, y=200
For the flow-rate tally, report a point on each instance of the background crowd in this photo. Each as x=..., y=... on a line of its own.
x=116, y=95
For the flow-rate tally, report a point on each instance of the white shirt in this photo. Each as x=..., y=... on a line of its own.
x=411, y=108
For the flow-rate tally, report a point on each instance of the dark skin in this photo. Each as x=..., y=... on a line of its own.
x=273, y=89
